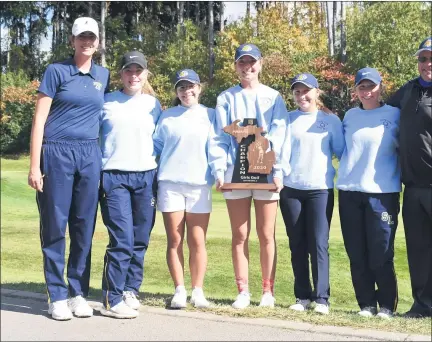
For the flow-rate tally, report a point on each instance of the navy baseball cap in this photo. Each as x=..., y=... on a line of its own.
x=370, y=74
x=425, y=45
x=187, y=75
x=308, y=80
x=133, y=57
x=247, y=50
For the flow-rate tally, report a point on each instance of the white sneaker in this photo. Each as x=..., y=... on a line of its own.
x=59, y=310
x=198, y=299
x=368, y=311
x=242, y=301
x=385, y=313
x=79, y=307
x=131, y=300
x=301, y=305
x=180, y=298
x=322, y=309
x=267, y=300
x=120, y=310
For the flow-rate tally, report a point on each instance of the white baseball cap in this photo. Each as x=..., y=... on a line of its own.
x=85, y=24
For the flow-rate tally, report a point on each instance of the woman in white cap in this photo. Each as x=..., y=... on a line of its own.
x=65, y=164
x=184, y=184
x=254, y=100
x=307, y=199
x=369, y=185
x=128, y=185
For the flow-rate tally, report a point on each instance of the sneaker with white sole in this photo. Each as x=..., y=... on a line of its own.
x=120, y=310
x=267, y=300
x=322, y=309
x=198, y=299
x=301, y=305
x=79, y=307
x=59, y=310
x=242, y=301
x=385, y=313
x=180, y=298
x=368, y=311
x=131, y=300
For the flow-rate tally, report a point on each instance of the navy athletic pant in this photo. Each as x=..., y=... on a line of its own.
x=417, y=218
x=307, y=215
x=368, y=223
x=69, y=197
x=128, y=208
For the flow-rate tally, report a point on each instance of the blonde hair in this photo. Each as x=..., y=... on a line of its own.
x=147, y=88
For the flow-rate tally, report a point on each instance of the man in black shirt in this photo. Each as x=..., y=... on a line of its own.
x=415, y=148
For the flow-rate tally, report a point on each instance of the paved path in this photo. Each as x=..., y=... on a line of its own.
x=24, y=317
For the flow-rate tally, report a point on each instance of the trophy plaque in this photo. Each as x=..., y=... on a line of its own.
x=253, y=162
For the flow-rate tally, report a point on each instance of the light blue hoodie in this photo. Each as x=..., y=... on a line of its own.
x=370, y=162
x=181, y=140
x=315, y=138
x=262, y=103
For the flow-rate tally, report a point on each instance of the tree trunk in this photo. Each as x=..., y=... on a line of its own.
x=197, y=13
x=247, y=9
x=90, y=9
x=221, y=16
x=102, y=38
x=334, y=24
x=343, y=33
x=211, y=40
x=180, y=12
x=323, y=14
x=329, y=30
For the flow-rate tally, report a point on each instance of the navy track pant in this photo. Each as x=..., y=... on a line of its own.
x=417, y=218
x=307, y=216
x=368, y=223
x=128, y=211
x=69, y=197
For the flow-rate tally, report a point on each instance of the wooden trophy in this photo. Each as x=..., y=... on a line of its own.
x=253, y=162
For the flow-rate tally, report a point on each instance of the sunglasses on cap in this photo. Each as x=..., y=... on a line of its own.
x=424, y=59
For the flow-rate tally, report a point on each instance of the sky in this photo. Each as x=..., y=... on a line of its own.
x=233, y=11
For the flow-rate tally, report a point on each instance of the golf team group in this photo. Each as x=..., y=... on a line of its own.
x=121, y=150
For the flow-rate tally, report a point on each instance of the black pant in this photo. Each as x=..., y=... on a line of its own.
x=368, y=223
x=417, y=218
x=307, y=215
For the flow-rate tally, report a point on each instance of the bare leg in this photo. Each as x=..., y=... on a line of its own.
x=175, y=228
x=265, y=212
x=196, y=238
x=239, y=213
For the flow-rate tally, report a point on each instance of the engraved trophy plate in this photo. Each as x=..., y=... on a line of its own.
x=253, y=162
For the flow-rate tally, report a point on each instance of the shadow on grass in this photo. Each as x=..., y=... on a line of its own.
x=14, y=156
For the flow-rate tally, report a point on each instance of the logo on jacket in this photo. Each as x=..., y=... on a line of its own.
x=153, y=202
x=322, y=125
x=385, y=217
x=386, y=123
x=97, y=85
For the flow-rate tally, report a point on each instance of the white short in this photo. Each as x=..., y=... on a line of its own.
x=178, y=197
x=263, y=195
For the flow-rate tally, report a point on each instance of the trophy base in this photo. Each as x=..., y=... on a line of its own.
x=249, y=186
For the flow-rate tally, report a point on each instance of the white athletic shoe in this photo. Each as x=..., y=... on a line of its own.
x=131, y=300
x=267, y=300
x=120, y=310
x=180, y=298
x=198, y=299
x=301, y=305
x=385, y=313
x=322, y=309
x=59, y=310
x=79, y=307
x=242, y=301
x=368, y=311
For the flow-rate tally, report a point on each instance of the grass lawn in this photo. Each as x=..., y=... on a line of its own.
x=21, y=263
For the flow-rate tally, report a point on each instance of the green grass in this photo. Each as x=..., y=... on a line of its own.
x=21, y=262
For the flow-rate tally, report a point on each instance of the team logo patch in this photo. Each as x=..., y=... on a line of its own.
x=97, y=85
x=247, y=48
x=183, y=73
x=386, y=123
x=427, y=43
x=322, y=125
x=153, y=202
x=301, y=77
x=385, y=217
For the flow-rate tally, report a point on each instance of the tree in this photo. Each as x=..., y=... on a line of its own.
x=102, y=38
x=329, y=30
x=343, y=53
x=211, y=41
